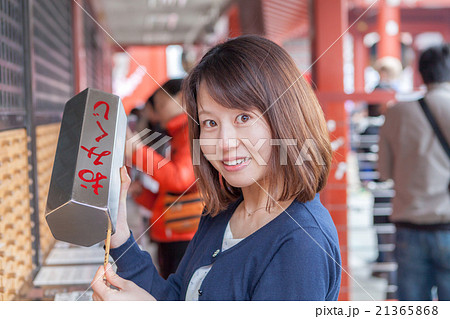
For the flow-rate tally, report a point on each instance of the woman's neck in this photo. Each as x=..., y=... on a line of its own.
x=255, y=200
x=251, y=214
x=255, y=197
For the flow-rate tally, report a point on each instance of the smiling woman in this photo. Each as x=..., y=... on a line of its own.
x=234, y=133
x=261, y=153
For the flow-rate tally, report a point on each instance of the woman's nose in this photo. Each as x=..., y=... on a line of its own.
x=229, y=138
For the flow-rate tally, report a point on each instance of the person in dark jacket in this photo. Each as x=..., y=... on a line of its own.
x=412, y=155
x=261, y=153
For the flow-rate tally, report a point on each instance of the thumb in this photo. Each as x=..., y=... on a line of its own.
x=125, y=182
x=114, y=279
x=124, y=185
x=124, y=178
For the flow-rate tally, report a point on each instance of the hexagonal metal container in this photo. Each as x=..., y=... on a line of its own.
x=85, y=183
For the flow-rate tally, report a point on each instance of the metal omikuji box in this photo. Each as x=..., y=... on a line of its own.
x=85, y=183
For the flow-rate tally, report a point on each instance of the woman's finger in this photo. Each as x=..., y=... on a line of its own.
x=125, y=182
x=124, y=178
x=122, y=230
x=95, y=297
x=97, y=285
x=114, y=279
x=98, y=275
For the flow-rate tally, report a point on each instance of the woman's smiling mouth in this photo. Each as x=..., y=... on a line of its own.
x=236, y=164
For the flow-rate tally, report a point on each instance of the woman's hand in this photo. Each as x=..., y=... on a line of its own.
x=128, y=290
x=122, y=230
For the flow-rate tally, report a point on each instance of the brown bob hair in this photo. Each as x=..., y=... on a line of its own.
x=250, y=72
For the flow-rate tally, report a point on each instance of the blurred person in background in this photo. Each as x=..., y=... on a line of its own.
x=167, y=183
x=144, y=189
x=389, y=70
x=415, y=154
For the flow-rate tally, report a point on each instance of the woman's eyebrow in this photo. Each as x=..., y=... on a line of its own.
x=202, y=111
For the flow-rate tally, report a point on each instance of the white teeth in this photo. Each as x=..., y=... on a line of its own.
x=236, y=162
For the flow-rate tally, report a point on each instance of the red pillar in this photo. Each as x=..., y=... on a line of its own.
x=360, y=60
x=234, y=23
x=388, y=29
x=331, y=20
x=79, y=49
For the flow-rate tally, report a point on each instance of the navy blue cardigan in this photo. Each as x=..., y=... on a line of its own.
x=293, y=257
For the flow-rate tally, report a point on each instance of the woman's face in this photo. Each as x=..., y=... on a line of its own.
x=234, y=141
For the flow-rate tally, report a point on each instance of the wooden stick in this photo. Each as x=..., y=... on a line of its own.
x=107, y=246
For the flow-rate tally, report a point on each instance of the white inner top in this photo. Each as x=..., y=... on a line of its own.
x=200, y=274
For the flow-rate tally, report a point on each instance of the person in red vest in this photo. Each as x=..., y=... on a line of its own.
x=177, y=208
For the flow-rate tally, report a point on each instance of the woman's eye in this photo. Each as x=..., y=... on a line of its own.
x=243, y=118
x=209, y=123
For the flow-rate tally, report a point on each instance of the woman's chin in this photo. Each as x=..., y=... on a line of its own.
x=239, y=181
